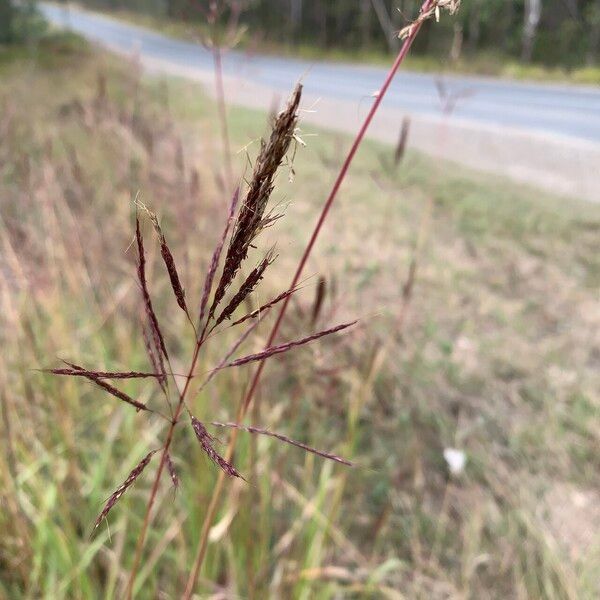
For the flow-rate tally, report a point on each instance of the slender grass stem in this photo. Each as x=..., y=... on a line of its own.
x=163, y=459
x=220, y=90
x=251, y=390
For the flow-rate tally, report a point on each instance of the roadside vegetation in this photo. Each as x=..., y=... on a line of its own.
x=525, y=39
x=479, y=320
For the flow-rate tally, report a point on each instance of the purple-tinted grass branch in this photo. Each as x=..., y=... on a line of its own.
x=103, y=374
x=154, y=326
x=214, y=263
x=118, y=493
x=110, y=388
x=285, y=439
x=206, y=442
x=281, y=348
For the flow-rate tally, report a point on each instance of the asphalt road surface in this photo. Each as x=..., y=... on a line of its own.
x=544, y=135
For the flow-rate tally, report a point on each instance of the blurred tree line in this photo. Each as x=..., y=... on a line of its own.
x=552, y=32
x=565, y=32
x=19, y=21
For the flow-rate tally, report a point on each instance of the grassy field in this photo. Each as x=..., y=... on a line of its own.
x=496, y=355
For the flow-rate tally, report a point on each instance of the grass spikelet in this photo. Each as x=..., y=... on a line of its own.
x=109, y=388
x=251, y=218
x=173, y=275
x=285, y=439
x=281, y=348
x=206, y=442
x=118, y=493
x=169, y=261
x=157, y=335
x=266, y=307
x=214, y=263
x=156, y=359
x=172, y=472
x=247, y=287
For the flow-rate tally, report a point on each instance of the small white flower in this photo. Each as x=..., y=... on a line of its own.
x=456, y=460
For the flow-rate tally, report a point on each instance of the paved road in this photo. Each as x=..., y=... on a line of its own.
x=549, y=118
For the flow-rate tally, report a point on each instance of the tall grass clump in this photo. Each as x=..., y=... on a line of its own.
x=225, y=290
x=483, y=295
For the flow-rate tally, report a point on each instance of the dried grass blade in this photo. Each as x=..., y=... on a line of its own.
x=214, y=263
x=154, y=326
x=402, y=141
x=273, y=350
x=246, y=288
x=206, y=442
x=116, y=495
x=287, y=440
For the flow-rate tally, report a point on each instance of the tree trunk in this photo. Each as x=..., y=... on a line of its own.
x=533, y=12
x=509, y=13
x=386, y=24
x=593, y=18
x=365, y=23
x=474, y=24
x=321, y=18
x=295, y=18
x=457, y=43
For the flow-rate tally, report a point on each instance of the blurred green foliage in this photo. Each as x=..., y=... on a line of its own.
x=20, y=22
x=565, y=33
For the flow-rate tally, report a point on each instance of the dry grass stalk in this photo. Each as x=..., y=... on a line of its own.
x=206, y=442
x=251, y=219
x=273, y=350
x=428, y=10
x=116, y=495
x=402, y=141
x=222, y=38
x=287, y=440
